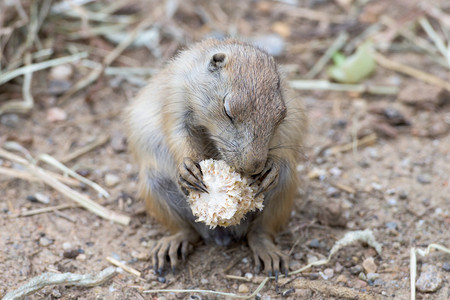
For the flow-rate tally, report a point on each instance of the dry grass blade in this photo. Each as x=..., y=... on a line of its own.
x=89, y=147
x=95, y=73
x=27, y=176
x=123, y=266
x=54, y=162
x=335, y=291
x=440, y=45
x=44, y=210
x=365, y=141
x=46, y=279
x=7, y=76
x=320, y=64
x=67, y=191
x=354, y=88
x=27, y=104
x=398, y=67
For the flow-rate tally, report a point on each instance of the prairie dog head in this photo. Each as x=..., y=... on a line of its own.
x=235, y=95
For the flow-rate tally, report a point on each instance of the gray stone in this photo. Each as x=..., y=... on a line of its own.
x=429, y=280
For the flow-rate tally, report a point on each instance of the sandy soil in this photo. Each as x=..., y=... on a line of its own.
x=398, y=186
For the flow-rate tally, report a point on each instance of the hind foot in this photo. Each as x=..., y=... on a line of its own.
x=266, y=253
x=171, y=248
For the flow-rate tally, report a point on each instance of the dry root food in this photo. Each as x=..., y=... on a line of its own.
x=230, y=196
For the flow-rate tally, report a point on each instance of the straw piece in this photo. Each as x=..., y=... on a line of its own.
x=96, y=143
x=7, y=76
x=46, y=279
x=67, y=191
x=52, y=161
x=355, y=88
x=398, y=67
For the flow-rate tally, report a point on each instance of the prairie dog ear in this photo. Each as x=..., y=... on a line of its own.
x=217, y=62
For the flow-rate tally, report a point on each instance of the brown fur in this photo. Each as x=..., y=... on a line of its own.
x=180, y=114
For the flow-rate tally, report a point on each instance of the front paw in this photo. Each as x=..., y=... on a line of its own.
x=268, y=178
x=190, y=177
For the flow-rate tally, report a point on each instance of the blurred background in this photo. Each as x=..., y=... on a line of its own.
x=374, y=76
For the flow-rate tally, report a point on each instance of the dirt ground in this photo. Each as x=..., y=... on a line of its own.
x=397, y=186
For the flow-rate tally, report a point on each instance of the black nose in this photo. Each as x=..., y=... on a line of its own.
x=256, y=167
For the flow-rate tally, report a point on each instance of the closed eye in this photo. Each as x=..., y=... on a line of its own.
x=226, y=109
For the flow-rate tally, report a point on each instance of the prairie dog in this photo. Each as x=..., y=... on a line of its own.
x=222, y=100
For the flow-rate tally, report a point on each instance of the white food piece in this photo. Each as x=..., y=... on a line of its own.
x=229, y=196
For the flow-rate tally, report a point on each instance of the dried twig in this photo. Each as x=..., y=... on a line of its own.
x=355, y=88
x=67, y=191
x=27, y=104
x=95, y=73
x=27, y=176
x=336, y=291
x=440, y=45
x=398, y=67
x=89, y=147
x=123, y=266
x=52, y=161
x=7, y=76
x=320, y=64
x=365, y=141
x=44, y=210
x=46, y=279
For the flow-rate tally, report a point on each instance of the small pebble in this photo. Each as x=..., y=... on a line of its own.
x=287, y=292
x=81, y=257
x=294, y=265
x=360, y=284
x=162, y=279
x=118, y=142
x=66, y=246
x=56, y=114
x=313, y=276
x=298, y=255
x=372, y=276
x=243, y=288
x=424, y=178
x=446, y=266
x=61, y=72
x=10, y=120
x=71, y=253
x=56, y=294
x=356, y=270
x=245, y=260
x=403, y=195
x=390, y=191
x=248, y=275
x=429, y=280
x=378, y=282
x=369, y=265
x=311, y=258
x=42, y=198
x=204, y=281
x=392, y=225
x=338, y=267
x=314, y=244
x=111, y=180
x=333, y=192
x=335, y=172
x=362, y=276
x=342, y=278
x=44, y=242
x=329, y=273
x=392, y=201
